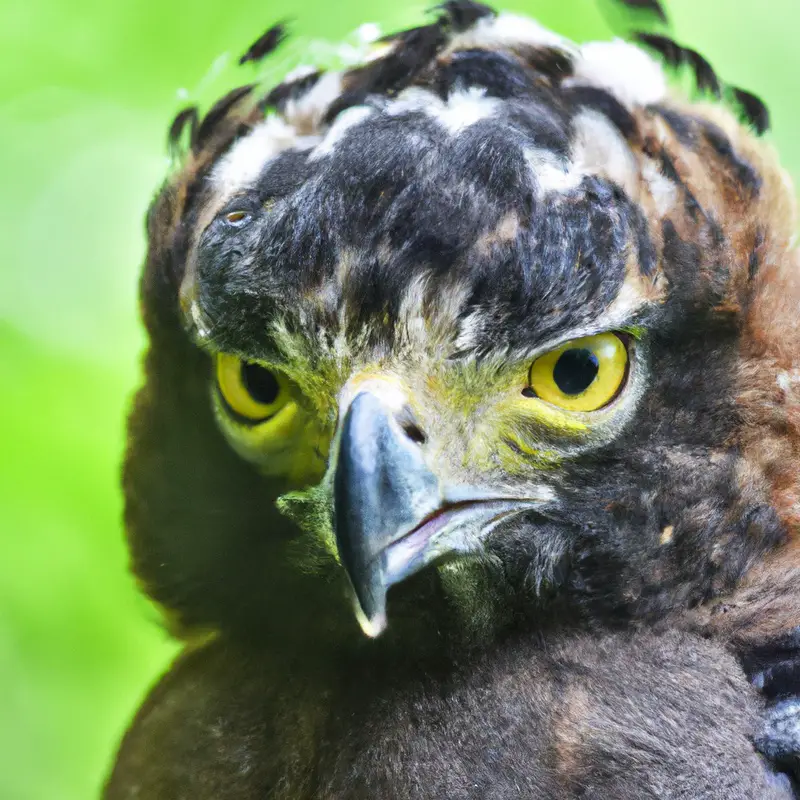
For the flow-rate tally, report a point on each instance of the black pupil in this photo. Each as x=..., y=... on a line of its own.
x=260, y=383
x=575, y=370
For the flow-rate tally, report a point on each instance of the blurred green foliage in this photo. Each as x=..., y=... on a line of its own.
x=85, y=99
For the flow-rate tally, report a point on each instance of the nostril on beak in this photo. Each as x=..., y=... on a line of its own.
x=414, y=433
x=407, y=421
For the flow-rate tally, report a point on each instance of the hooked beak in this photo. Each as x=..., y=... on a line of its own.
x=392, y=516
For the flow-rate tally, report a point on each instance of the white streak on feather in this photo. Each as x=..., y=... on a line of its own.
x=471, y=330
x=307, y=111
x=299, y=72
x=350, y=118
x=465, y=108
x=551, y=173
x=629, y=299
x=787, y=379
x=597, y=149
x=663, y=191
x=243, y=163
x=410, y=313
x=411, y=100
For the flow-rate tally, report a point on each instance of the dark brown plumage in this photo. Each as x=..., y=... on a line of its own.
x=496, y=323
x=563, y=725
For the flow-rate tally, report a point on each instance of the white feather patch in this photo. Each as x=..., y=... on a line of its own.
x=551, y=173
x=462, y=109
x=598, y=148
x=788, y=379
x=411, y=100
x=307, y=111
x=623, y=69
x=507, y=30
x=471, y=331
x=242, y=165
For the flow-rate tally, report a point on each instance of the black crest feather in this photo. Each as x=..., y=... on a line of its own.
x=753, y=108
x=413, y=50
x=675, y=55
x=704, y=75
x=551, y=62
x=188, y=117
x=459, y=15
x=219, y=111
x=265, y=44
x=289, y=90
x=653, y=6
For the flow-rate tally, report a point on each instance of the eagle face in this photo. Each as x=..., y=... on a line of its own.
x=493, y=317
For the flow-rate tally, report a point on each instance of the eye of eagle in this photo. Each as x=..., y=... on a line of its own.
x=249, y=390
x=581, y=375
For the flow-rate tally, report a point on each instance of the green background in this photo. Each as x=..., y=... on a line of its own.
x=86, y=92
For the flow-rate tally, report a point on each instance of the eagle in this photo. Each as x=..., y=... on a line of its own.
x=467, y=459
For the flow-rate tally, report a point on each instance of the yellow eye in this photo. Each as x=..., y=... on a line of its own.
x=581, y=375
x=249, y=389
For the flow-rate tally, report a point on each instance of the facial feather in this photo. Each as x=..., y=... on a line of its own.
x=448, y=220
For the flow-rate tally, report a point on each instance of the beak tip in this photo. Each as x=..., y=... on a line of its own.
x=381, y=488
x=372, y=626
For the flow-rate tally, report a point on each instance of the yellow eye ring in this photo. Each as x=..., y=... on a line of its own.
x=249, y=390
x=582, y=375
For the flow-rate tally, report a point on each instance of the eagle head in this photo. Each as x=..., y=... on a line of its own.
x=491, y=316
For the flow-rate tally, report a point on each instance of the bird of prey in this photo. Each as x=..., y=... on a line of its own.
x=494, y=340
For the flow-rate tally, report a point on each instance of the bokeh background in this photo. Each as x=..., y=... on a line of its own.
x=87, y=90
